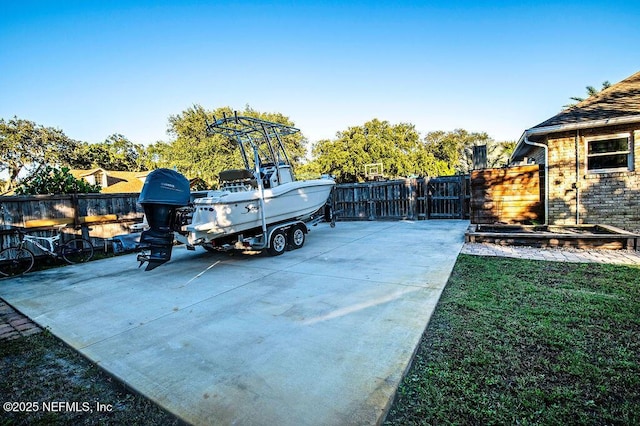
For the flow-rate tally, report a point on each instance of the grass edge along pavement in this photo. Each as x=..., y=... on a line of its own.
x=516, y=341
x=39, y=369
x=511, y=341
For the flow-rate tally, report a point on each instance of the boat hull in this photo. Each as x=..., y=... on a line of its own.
x=224, y=213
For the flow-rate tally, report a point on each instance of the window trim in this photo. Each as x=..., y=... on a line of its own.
x=629, y=153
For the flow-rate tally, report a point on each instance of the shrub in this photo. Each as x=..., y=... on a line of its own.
x=53, y=180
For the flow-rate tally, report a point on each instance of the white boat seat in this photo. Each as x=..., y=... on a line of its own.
x=235, y=174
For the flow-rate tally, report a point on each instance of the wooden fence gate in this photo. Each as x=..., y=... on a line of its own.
x=424, y=198
x=448, y=197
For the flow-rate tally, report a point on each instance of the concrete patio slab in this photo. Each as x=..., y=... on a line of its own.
x=317, y=336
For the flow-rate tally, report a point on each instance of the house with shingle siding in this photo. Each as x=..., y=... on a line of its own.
x=591, y=159
x=111, y=181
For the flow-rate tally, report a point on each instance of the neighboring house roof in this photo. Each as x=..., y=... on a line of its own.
x=112, y=181
x=618, y=104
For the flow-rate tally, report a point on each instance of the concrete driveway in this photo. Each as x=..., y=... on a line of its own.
x=317, y=336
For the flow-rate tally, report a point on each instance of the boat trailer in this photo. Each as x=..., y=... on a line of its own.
x=168, y=203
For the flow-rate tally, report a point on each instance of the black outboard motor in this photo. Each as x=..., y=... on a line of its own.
x=163, y=192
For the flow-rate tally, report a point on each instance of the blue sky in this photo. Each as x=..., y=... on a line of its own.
x=94, y=68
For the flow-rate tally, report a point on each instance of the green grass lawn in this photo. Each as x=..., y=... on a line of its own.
x=528, y=342
x=511, y=342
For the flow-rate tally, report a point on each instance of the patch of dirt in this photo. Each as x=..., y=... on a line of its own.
x=44, y=382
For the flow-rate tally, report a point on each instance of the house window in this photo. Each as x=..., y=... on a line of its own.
x=609, y=153
x=98, y=177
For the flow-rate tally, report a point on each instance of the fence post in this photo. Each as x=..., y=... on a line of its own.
x=411, y=213
x=427, y=197
x=462, y=195
x=74, y=209
x=420, y=199
x=370, y=202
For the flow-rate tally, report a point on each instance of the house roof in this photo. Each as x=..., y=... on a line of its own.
x=618, y=104
x=118, y=181
x=619, y=100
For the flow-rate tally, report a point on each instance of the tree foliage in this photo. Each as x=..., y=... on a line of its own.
x=591, y=91
x=115, y=153
x=397, y=147
x=195, y=153
x=455, y=149
x=401, y=151
x=53, y=180
x=26, y=146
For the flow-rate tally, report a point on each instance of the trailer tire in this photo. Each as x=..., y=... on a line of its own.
x=277, y=243
x=296, y=236
x=328, y=213
x=209, y=248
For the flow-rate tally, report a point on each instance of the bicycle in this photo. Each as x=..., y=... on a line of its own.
x=19, y=260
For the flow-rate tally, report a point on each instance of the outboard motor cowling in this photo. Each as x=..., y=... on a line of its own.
x=163, y=192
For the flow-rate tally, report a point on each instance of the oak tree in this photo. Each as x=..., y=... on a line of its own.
x=26, y=147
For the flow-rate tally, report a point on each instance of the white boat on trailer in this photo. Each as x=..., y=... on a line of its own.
x=260, y=207
x=221, y=215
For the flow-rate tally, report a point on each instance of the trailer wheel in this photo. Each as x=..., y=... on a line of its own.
x=296, y=237
x=328, y=213
x=209, y=248
x=278, y=243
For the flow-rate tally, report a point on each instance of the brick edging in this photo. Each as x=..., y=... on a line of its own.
x=13, y=324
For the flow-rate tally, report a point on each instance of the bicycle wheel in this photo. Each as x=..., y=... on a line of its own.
x=15, y=261
x=77, y=250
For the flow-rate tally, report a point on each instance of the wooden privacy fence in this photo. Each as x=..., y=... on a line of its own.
x=100, y=216
x=509, y=195
x=423, y=198
x=447, y=197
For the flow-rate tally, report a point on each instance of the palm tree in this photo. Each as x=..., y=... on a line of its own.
x=591, y=91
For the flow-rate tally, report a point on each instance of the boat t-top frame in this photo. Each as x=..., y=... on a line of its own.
x=264, y=140
x=254, y=136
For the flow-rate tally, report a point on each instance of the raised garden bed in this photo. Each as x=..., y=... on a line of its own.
x=571, y=236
